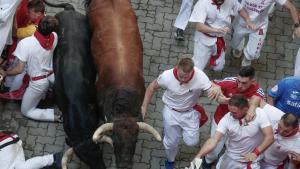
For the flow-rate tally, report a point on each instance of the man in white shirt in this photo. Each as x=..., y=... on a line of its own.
x=7, y=11
x=36, y=52
x=182, y=18
x=286, y=134
x=258, y=12
x=184, y=84
x=12, y=155
x=213, y=19
x=245, y=142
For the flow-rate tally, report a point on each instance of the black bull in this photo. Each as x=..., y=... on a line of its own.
x=74, y=86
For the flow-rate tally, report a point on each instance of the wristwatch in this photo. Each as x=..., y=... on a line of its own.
x=296, y=25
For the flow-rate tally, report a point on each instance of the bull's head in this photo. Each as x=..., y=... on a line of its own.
x=125, y=134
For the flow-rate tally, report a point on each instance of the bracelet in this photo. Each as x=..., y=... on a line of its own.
x=256, y=152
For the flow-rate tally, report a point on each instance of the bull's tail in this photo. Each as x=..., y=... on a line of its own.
x=66, y=6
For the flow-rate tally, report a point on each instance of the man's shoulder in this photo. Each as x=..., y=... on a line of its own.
x=228, y=81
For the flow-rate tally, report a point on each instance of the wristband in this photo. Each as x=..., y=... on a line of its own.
x=256, y=152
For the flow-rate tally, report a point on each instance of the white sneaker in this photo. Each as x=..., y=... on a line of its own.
x=246, y=62
x=237, y=53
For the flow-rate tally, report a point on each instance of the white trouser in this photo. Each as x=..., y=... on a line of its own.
x=265, y=165
x=184, y=14
x=177, y=125
x=32, y=96
x=14, y=82
x=202, y=55
x=213, y=155
x=12, y=157
x=297, y=64
x=226, y=162
x=255, y=42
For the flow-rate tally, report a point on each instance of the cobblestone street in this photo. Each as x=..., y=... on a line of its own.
x=161, y=52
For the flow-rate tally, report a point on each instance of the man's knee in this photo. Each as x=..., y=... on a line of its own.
x=191, y=141
x=251, y=54
x=170, y=143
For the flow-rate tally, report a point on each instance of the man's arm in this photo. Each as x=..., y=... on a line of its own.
x=294, y=159
x=210, y=144
x=294, y=14
x=270, y=100
x=148, y=95
x=15, y=70
x=214, y=92
x=268, y=140
x=201, y=27
x=254, y=102
x=244, y=14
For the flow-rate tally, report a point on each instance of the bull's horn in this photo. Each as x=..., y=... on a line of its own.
x=106, y=139
x=102, y=129
x=150, y=129
x=66, y=158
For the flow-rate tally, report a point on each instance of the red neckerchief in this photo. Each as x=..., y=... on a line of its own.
x=220, y=43
x=45, y=41
x=176, y=76
x=294, y=132
x=214, y=2
x=37, y=20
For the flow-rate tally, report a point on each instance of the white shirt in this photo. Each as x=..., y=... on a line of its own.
x=258, y=10
x=207, y=13
x=39, y=60
x=182, y=96
x=278, y=151
x=11, y=154
x=243, y=139
x=7, y=11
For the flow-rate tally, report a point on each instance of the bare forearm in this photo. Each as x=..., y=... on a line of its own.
x=149, y=93
x=293, y=12
x=270, y=100
x=205, y=28
x=268, y=140
x=208, y=146
x=244, y=14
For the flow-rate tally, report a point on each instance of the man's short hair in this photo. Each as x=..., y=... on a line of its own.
x=186, y=65
x=47, y=25
x=238, y=100
x=290, y=120
x=36, y=5
x=247, y=71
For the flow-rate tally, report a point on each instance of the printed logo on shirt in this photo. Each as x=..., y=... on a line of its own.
x=190, y=90
x=275, y=88
x=294, y=95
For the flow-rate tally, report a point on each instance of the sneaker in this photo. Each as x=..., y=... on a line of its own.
x=58, y=117
x=57, y=160
x=179, y=34
x=236, y=53
x=206, y=165
x=169, y=165
x=246, y=62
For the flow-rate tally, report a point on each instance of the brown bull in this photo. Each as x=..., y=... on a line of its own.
x=117, y=50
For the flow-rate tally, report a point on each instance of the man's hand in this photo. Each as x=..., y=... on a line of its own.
x=223, y=99
x=250, y=157
x=223, y=30
x=214, y=92
x=195, y=164
x=294, y=156
x=143, y=110
x=251, y=25
x=2, y=74
x=250, y=115
x=297, y=32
